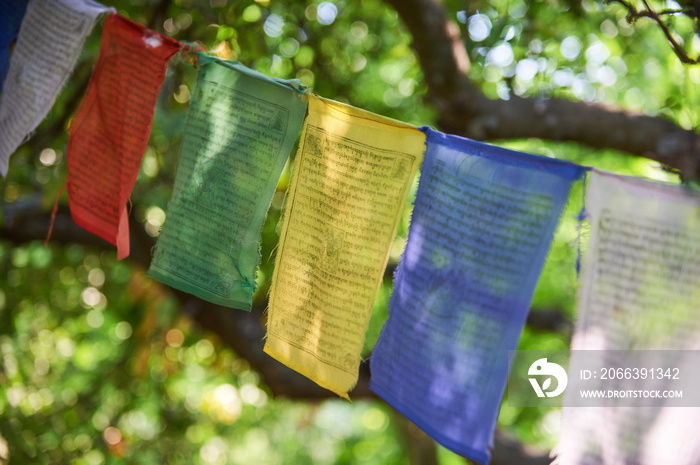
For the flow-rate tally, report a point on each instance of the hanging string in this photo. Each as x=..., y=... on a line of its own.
x=582, y=215
x=189, y=50
x=53, y=214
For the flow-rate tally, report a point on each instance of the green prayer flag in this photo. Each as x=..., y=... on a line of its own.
x=239, y=131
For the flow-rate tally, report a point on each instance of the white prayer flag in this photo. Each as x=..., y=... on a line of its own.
x=49, y=42
x=640, y=292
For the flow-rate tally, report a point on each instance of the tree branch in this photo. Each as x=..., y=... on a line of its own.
x=26, y=221
x=466, y=111
x=242, y=331
x=633, y=14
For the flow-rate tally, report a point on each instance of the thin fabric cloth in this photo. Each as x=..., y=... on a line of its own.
x=481, y=228
x=239, y=132
x=640, y=291
x=109, y=134
x=351, y=178
x=11, y=14
x=51, y=37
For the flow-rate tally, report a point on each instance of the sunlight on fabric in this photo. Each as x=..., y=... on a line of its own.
x=351, y=178
x=480, y=231
x=239, y=132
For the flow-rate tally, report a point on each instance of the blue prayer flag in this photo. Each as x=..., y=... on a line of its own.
x=11, y=14
x=481, y=228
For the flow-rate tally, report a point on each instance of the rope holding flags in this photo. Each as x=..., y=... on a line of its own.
x=482, y=224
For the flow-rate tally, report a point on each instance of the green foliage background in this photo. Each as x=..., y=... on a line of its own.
x=98, y=364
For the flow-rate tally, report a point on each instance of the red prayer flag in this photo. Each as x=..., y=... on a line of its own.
x=110, y=132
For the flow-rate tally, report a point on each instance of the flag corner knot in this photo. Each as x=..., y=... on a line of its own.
x=189, y=52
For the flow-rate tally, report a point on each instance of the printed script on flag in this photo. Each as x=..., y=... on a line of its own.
x=240, y=129
x=640, y=292
x=349, y=186
x=48, y=45
x=110, y=131
x=480, y=231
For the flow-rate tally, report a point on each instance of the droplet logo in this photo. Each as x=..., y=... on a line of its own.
x=542, y=367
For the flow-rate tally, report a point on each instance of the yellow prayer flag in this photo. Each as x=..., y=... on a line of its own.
x=351, y=178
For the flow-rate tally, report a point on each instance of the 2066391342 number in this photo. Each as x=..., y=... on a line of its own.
x=639, y=373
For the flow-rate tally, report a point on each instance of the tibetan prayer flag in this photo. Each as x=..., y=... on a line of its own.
x=11, y=14
x=109, y=134
x=350, y=181
x=48, y=45
x=239, y=132
x=480, y=231
x=640, y=292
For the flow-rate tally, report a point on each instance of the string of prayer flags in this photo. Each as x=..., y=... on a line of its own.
x=11, y=14
x=640, y=291
x=47, y=48
x=109, y=134
x=239, y=132
x=349, y=185
x=480, y=231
